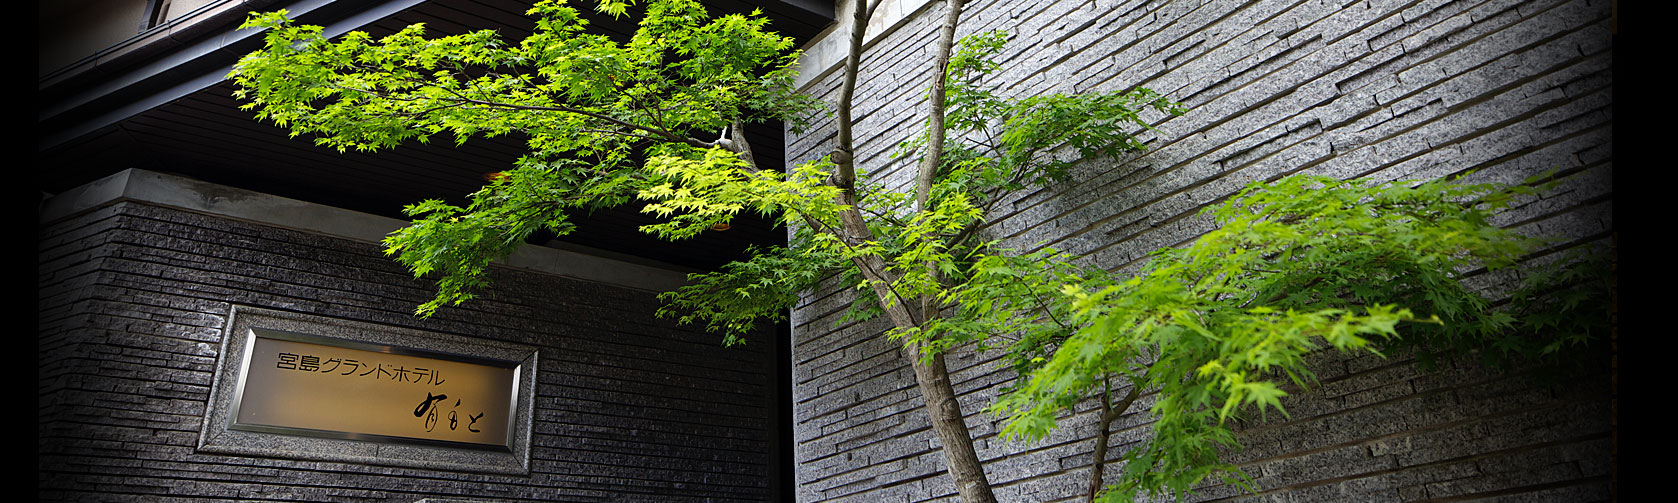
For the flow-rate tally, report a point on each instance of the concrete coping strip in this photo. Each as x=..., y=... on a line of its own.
x=826, y=52
x=203, y=197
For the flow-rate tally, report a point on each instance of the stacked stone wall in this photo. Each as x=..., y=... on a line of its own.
x=134, y=299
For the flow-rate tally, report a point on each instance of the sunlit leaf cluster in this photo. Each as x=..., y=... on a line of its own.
x=999, y=144
x=1220, y=328
x=593, y=110
x=929, y=253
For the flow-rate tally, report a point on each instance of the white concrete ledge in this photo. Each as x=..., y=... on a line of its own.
x=203, y=197
x=826, y=52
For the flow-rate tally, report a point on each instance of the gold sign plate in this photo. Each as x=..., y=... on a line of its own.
x=317, y=386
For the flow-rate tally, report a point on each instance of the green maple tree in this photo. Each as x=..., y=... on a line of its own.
x=659, y=118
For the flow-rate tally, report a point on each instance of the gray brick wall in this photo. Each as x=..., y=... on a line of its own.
x=133, y=299
x=1381, y=89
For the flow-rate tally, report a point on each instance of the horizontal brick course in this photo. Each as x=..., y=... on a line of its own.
x=134, y=298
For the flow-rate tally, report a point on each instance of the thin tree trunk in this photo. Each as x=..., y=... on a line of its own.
x=1109, y=412
x=931, y=374
x=957, y=441
x=935, y=115
x=853, y=229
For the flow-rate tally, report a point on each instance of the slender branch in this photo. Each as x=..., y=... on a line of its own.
x=422, y=113
x=856, y=230
x=937, y=95
x=928, y=169
x=740, y=146
x=664, y=134
x=1043, y=305
x=1284, y=293
x=886, y=217
x=844, y=151
x=1109, y=412
x=622, y=133
x=871, y=267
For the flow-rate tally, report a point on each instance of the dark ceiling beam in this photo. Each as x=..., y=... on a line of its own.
x=107, y=101
x=187, y=70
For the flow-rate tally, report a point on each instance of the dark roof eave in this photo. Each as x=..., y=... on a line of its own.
x=189, y=69
x=195, y=66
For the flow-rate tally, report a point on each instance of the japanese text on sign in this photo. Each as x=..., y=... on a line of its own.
x=313, y=387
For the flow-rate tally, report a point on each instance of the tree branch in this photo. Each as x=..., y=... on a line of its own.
x=935, y=120
x=1109, y=412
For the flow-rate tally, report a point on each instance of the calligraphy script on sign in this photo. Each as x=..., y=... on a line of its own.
x=310, y=386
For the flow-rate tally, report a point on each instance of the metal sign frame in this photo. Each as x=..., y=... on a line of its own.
x=221, y=433
x=252, y=334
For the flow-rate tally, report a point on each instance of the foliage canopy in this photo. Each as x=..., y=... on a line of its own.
x=1220, y=327
x=593, y=110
